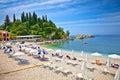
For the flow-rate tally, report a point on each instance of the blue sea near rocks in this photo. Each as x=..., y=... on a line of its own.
x=104, y=44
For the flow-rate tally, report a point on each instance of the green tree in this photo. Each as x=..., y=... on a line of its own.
x=7, y=22
x=31, y=25
x=27, y=17
x=34, y=18
x=67, y=33
x=23, y=19
x=14, y=18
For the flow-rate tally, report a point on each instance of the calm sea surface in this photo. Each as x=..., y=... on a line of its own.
x=104, y=44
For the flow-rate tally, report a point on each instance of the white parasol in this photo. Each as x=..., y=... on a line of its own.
x=114, y=56
x=82, y=53
x=117, y=75
x=108, y=62
x=96, y=54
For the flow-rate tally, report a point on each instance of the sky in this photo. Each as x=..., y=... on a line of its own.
x=77, y=16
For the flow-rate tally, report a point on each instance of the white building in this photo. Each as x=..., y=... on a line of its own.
x=28, y=37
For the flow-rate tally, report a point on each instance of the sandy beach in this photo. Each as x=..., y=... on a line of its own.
x=54, y=68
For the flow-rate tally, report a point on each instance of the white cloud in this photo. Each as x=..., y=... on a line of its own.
x=111, y=20
x=37, y=5
x=6, y=1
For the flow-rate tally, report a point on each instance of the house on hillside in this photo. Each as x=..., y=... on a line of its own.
x=4, y=35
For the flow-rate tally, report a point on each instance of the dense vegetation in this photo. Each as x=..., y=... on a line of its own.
x=30, y=24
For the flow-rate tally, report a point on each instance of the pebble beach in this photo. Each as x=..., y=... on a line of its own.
x=54, y=68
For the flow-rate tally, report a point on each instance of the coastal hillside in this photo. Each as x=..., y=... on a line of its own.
x=31, y=24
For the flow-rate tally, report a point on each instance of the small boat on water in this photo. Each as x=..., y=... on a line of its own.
x=85, y=43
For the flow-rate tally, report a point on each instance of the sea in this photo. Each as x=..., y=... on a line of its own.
x=103, y=44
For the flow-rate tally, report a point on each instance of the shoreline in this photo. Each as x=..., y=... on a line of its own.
x=75, y=52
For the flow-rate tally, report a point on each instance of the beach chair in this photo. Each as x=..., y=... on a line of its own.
x=93, y=62
x=89, y=78
x=68, y=57
x=51, y=67
x=23, y=61
x=99, y=62
x=115, y=65
x=105, y=71
x=58, y=69
x=66, y=72
x=46, y=65
x=79, y=76
x=91, y=68
x=44, y=59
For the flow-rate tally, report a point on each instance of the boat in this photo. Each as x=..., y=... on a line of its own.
x=85, y=43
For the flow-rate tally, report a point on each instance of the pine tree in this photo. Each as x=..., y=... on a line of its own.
x=27, y=16
x=34, y=18
x=7, y=22
x=14, y=18
x=45, y=18
x=30, y=16
x=23, y=17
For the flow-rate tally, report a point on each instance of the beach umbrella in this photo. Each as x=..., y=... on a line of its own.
x=114, y=56
x=81, y=53
x=63, y=59
x=117, y=75
x=50, y=57
x=58, y=51
x=19, y=54
x=96, y=54
x=72, y=52
x=86, y=58
x=108, y=62
x=83, y=68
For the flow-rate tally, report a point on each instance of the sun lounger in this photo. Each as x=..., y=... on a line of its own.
x=58, y=69
x=99, y=62
x=91, y=68
x=43, y=59
x=89, y=78
x=23, y=61
x=51, y=67
x=79, y=76
x=66, y=72
x=57, y=59
x=105, y=71
x=68, y=57
x=93, y=62
x=115, y=65
x=46, y=65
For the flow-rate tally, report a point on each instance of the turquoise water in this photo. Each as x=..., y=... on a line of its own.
x=104, y=44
